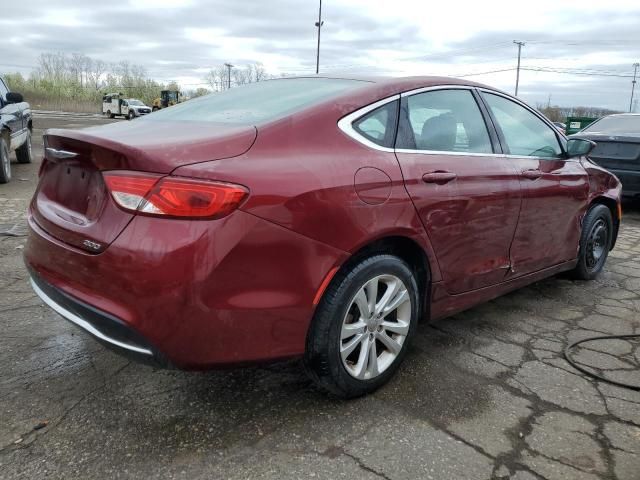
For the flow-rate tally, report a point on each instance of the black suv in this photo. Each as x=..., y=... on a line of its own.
x=15, y=130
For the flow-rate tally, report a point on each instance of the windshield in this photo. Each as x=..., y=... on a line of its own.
x=135, y=102
x=257, y=102
x=616, y=125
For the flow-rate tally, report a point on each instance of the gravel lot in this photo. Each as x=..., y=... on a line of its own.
x=485, y=394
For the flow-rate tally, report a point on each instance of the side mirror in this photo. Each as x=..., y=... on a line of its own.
x=14, y=97
x=579, y=147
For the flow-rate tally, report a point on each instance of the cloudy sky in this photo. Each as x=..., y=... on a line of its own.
x=576, y=52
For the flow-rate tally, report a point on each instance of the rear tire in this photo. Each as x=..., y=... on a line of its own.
x=24, y=154
x=595, y=242
x=5, y=162
x=362, y=327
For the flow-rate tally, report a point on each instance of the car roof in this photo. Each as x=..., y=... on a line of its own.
x=374, y=88
x=425, y=80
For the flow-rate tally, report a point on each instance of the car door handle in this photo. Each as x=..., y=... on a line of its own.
x=439, y=177
x=532, y=174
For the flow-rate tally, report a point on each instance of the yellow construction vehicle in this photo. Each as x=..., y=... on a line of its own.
x=166, y=99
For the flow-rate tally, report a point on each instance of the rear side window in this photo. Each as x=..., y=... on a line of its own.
x=379, y=125
x=443, y=120
x=525, y=133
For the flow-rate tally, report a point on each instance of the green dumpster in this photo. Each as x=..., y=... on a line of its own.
x=575, y=124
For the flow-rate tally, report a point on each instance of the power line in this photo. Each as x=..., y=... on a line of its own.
x=484, y=73
x=575, y=72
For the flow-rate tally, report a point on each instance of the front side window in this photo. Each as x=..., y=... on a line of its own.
x=379, y=125
x=525, y=134
x=443, y=120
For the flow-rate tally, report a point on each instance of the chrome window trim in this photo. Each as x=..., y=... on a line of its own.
x=72, y=317
x=416, y=91
x=346, y=123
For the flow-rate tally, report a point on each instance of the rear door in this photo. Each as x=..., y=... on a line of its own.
x=466, y=192
x=555, y=189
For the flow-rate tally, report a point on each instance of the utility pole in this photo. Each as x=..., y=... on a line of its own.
x=319, y=24
x=520, y=45
x=229, y=67
x=633, y=85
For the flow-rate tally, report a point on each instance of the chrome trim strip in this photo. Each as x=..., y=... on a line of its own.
x=60, y=154
x=436, y=87
x=83, y=323
x=446, y=152
x=345, y=123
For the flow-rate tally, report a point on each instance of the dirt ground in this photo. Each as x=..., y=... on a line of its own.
x=486, y=394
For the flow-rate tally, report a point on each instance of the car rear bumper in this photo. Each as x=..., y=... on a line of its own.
x=107, y=329
x=191, y=294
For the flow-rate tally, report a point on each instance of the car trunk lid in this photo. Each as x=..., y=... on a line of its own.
x=72, y=202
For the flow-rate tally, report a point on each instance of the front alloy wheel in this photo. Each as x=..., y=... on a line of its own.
x=363, y=325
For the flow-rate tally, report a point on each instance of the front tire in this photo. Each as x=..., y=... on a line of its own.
x=362, y=327
x=5, y=162
x=24, y=154
x=595, y=242
x=131, y=115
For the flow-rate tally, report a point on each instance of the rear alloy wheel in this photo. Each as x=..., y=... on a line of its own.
x=363, y=326
x=5, y=162
x=595, y=242
x=24, y=154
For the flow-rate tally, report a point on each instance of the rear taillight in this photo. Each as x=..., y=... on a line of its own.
x=150, y=194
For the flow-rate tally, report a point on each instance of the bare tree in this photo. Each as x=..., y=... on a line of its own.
x=218, y=79
x=96, y=70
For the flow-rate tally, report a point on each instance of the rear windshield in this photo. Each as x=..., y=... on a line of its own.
x=618, y=125
x=257, y=102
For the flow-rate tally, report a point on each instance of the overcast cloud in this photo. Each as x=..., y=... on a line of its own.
x=182, y=39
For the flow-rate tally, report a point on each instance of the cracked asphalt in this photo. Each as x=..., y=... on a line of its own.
x=486, y=394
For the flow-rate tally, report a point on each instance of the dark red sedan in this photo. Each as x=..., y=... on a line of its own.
x=314, y=217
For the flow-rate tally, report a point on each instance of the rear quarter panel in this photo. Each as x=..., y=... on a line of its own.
x=301, y=171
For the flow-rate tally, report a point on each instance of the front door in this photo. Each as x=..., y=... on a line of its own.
x=555, y=189
x=466, y=193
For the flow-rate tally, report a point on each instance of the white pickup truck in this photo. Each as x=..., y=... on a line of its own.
x=113, y=104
